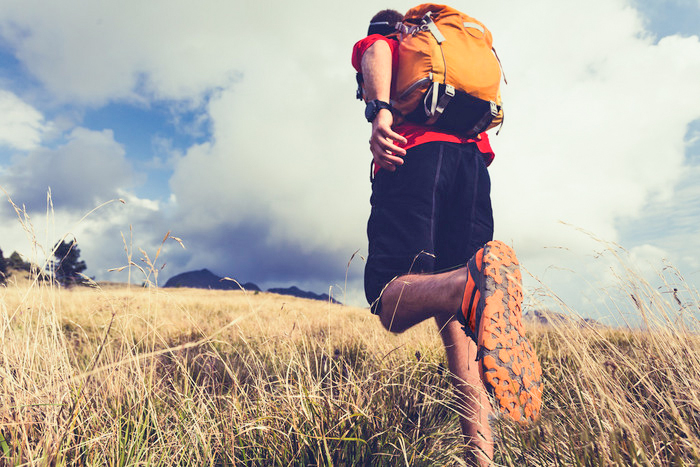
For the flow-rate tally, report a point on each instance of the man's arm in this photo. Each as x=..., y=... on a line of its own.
x=376, y=71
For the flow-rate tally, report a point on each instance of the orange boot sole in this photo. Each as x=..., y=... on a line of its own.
x=491, y=310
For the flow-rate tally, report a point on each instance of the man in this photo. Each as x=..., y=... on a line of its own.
x=431, y=215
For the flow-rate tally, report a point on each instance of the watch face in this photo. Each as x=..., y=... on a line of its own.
x=371, y=111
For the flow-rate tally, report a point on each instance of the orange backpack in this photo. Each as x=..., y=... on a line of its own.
x=448, y=72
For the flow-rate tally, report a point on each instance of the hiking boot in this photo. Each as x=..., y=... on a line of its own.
x=491, y=315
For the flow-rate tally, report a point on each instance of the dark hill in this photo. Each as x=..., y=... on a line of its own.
x=205, y=279
x=548, y=317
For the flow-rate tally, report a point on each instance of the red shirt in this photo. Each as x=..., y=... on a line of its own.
x=418, y=134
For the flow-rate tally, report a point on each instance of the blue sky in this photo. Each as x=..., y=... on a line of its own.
x=148, y=134
x=249, y=145
x=669, y=17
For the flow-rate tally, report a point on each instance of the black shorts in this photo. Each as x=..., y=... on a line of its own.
x=430, y=215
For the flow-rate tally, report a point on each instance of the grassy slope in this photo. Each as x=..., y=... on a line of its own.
x=119, y=376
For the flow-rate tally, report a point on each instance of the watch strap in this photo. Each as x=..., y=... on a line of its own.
x=373, y=108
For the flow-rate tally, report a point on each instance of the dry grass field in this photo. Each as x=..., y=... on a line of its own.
x=116, y=375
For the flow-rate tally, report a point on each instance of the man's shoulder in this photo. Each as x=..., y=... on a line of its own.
x=366, y=42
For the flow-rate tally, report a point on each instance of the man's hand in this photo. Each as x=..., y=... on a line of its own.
x=386, y=154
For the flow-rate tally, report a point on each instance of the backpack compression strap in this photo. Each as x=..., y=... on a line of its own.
x=437, y=105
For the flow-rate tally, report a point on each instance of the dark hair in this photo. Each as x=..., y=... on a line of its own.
x=383, y=22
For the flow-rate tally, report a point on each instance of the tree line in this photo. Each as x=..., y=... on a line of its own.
x=65, y=266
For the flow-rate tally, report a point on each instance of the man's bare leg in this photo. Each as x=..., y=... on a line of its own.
x=474, y=404
x=411, y=299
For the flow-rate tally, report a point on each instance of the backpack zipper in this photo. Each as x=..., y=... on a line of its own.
x=415, y=85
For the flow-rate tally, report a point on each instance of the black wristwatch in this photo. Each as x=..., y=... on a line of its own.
x=373, y=108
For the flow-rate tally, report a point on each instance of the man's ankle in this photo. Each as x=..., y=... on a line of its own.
x=459, y=284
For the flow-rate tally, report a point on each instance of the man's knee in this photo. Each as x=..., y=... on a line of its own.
x=390, y=324
x=387, y=317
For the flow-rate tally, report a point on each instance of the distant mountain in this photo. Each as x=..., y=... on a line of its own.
x=205, y=279
x=297, y=292
x=548, y=317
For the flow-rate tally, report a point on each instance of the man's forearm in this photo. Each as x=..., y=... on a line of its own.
x=376, y=71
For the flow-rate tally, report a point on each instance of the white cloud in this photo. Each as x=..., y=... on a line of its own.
x=100, y=51
x=90, y=168
x=648, y=259
x=21, y=125
x=595, y=119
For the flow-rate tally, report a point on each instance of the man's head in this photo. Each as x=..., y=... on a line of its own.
x=383, y=22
